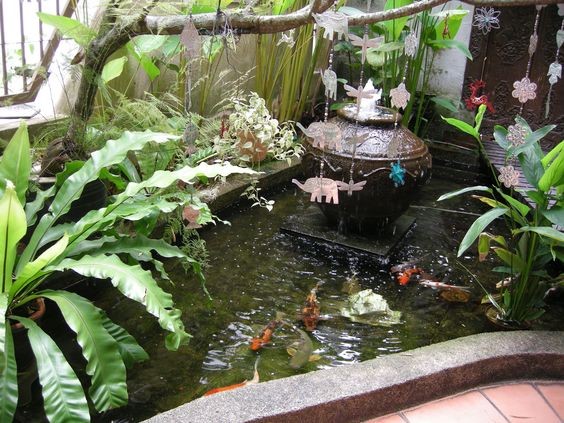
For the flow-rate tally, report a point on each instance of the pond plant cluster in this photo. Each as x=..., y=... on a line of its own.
x=154, y=154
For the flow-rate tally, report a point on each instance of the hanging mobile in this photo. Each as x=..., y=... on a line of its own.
x=555, y=68
x=326, y=134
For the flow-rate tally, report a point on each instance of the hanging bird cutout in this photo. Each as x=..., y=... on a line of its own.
x=365, y=43
x=191, y=40
x=333, y=22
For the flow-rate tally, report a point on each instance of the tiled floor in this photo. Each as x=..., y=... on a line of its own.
x=530, y=402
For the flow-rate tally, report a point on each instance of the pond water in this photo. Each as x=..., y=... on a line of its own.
x=256, y=271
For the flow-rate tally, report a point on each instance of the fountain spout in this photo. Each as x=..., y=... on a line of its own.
x=368, y=105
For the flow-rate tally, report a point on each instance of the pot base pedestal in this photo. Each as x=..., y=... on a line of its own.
x=313, y=225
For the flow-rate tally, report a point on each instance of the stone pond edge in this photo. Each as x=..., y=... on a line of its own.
x=385, y=384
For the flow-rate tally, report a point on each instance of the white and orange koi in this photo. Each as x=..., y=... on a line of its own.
x=443, y=286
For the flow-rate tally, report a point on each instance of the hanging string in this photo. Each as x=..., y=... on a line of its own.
x=555, y=68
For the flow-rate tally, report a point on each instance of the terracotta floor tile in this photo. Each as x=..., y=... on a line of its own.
x=521, y=403
x=390, y=418
x=470, y=407
x=554, y=393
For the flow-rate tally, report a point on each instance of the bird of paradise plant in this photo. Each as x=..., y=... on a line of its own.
x=93, y=247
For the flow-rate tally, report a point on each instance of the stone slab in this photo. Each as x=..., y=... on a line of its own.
x=313, y=225
x=385, y=384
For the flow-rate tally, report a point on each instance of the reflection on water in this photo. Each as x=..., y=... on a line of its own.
x=256, y=272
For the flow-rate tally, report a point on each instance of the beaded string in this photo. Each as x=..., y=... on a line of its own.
x=555, y=68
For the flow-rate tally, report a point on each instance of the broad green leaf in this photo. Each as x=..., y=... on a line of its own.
x=113, y=69
x=16, y=163
x=555, y=215
x=543, y=231
x=389, y=47
x=147, y=43
x=104, y=363
x=451, y=18
x=130, y=351
x=64, y=399
x=211, y=47
x=532, y=140
x=531, y=165
x=441, y=44
x=31, y=270
x=395, y=26
x=13, y=227
x=522, y=208
x=494, y=203
x=33, y=207
x=113, y=152
x=552, y=154
x=463, y=191
x=144, y=60
x=375, y=59
x=171, y=46
x=510, y=259
x=137, y=284
x=463, y=126
x=446, y=103
x=553, y=174
x=69, y=28
x=478, y=227
x=8, y=370
x=500, y=137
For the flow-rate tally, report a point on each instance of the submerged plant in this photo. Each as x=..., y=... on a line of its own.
x=534, y=240
x=35, y=247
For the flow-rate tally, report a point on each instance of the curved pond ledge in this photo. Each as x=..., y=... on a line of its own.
x=386, y=384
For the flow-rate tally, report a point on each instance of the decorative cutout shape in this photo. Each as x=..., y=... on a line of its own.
x=516, y=134
x=323, y=133
x=365, y=43
x=524, y=90
x=329, y=79
x=351, y=186
x=508, y=176
x=397, y=174
x=333, y=22
x=357, y=139
x=554, y=72
x=486, y=19
x=399, y=96
x=191, y=40
x=287, y=39
x=319, y=188
x=359, y=93
x=191, y=215
x=560, y=37
x=410, y=44
x=533, y=41
x=393, y=147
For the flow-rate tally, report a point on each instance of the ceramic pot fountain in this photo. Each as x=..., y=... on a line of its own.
x=380, y=202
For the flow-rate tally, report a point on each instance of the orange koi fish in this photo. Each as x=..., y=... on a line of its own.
x=264, y=338
x=311, y=312
x=404, y=277
x=253, y=381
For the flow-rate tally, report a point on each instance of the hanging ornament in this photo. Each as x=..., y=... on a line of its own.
x=351, y=186
x=191, y=40
x=555, y=68
x=359, y=93
x=287, y=39
x=333, y=22
x=410, y=44
x=486, y=19
x=399, y=96
x=324, y=134
x=508, y=176
x=365, y=43
x=397, y=175
x=525, y=90
x=320, y=187
x=329, y=78
x=516, y=134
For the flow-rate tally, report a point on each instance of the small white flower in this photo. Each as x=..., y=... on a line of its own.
x=486, y=19
x=524, y=90
x=508, y=176
x=399, y=96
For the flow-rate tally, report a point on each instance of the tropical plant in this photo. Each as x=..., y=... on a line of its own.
x=250, y=124
x=534, y=239
x=95, y=246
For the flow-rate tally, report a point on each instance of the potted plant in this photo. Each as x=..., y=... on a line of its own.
x=93, y=247
x=252, y=134
x=534, y=239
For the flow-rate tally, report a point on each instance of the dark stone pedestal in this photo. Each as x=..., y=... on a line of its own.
x=313, y=225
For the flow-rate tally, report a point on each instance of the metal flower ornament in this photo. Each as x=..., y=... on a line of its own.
x=516, y=134
x=508, y=176
x=525, y=90
x=399, y=96
x=397, y=174
x=486, y=19
x=410, y=44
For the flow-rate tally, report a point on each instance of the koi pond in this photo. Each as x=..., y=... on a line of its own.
x=257, y=272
